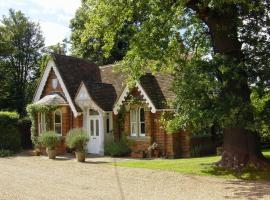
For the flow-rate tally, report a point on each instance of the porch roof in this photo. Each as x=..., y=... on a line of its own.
x=52, y=99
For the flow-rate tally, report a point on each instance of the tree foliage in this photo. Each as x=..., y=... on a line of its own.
x=217, y=50
x=20, y=44
x=94, y=47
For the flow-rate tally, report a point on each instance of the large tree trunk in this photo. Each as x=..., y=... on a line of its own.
x=241, y=146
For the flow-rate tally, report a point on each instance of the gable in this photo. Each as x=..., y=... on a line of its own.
x=139, y=92
x=52, y=70
x=84, y=99
x=97, y=95
x=52, y=85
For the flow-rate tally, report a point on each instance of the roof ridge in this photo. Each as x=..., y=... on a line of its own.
x=73, y=57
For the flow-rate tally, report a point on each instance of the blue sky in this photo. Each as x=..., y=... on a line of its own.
x=52, y=15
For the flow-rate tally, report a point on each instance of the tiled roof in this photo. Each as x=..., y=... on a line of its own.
x=105, y=85
x=103, y=94
x=158, y=88
x=75, y=70
x=108, y=75
x=52, y=99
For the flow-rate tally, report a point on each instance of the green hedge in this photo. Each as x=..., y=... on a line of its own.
x=117, y=148
x=9, y=134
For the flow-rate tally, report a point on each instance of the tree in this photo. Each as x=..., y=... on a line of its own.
x=213, y=47
x=94, y=47
x=21, y=41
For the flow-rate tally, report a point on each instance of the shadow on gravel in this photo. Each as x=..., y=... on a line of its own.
x=248, y=174
x=248, y=190
x=119, y=184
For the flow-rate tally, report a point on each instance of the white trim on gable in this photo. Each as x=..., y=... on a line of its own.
x=120, y=100
x=124, y=94
x=146, y=98
x=51, y=65
x=84, y=99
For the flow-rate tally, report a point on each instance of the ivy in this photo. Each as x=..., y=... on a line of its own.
x=33, y=110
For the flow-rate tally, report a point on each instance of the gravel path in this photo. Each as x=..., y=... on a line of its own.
x=31, y=178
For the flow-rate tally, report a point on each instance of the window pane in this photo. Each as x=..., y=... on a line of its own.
x=57, y=117
x=58, y=128
x=133, y=115
x=142, y=115
x=92, y=127
x=142, y=128
x=108, y=124
x=133, y=128
x=97, y=128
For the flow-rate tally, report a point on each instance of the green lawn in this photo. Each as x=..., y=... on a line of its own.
x=199, y=166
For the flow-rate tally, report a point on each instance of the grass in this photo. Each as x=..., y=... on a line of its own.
x=200, y=166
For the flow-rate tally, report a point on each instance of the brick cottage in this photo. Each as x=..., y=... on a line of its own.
x=96, y=98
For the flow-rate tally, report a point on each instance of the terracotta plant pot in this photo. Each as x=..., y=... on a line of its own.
x=80, y=156
x=51, y=153
x=36, y=152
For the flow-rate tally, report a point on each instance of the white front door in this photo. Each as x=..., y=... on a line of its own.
x=94, y=135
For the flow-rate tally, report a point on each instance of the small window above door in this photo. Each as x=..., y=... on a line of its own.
x=93, y=112
x=54, y=83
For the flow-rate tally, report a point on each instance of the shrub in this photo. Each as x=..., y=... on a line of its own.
x=196, y=151
x=49, y=139
x=5, y=153
x=117, y=148
x=77, y=139
x=24, y=126
x=9, y=135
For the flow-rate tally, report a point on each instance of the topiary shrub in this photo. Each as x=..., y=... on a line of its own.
x=49, y=140
x=117, y=148
x=9, y=135
x=77, y=139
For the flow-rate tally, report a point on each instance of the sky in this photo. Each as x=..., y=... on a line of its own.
x=52, y=15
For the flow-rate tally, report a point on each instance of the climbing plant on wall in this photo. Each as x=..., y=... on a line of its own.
x=33, y=110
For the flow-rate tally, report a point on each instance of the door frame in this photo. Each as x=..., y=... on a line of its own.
x=86, y=121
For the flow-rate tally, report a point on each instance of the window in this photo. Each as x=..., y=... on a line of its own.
x=92, y=127
x=133, y=122
x=58, y=122
x=42, y=123
x=141, y=122
x=137, y=122
x=54, y=83
x=93, y=112
x=108, y=122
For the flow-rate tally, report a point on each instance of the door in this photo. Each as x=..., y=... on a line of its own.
x=94, y=134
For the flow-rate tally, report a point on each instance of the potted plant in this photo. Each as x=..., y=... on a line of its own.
x=49, y=140
x=77, y=139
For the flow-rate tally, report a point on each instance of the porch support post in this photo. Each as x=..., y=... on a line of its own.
x=85, y=118
x=101, y=133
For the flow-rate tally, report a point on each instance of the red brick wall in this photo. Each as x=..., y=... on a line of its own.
x=169, y=145
x=68, y=119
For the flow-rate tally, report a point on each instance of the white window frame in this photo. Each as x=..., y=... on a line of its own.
x=133, y=134
x=137, y=123
x=58, y=123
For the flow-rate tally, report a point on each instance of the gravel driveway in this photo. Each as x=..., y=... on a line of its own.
x=36, y=178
